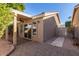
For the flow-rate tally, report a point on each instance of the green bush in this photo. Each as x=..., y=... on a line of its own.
x=6, y=16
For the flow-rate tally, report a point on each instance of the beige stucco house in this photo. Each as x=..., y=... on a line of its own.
x=46, y=26
x=38, y=28
x=75, y=21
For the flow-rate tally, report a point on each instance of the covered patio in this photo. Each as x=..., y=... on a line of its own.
x=20, y=20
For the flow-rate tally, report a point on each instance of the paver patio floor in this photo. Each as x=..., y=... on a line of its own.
x=30, y=48
x=63, y=43
x=5, y=47
x=68, y=44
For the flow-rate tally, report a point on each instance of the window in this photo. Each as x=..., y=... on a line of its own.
x=34, y=31
x=34, y=28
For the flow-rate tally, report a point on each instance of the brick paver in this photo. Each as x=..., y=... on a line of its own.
x=30, y=48
x=5, y=47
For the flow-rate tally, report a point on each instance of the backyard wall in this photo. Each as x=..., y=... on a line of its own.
x=61, y=32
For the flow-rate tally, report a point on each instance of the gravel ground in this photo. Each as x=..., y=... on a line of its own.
x=30, y=48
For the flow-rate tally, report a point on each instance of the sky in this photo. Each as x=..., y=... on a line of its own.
x=65, y=9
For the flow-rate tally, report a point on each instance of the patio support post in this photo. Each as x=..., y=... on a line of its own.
x=19, y=28
x=31, y=31
x=23, y=30
x=15, y=30
x=6, y=34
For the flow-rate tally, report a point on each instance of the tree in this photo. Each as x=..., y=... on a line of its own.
x=17, y=6
x=6, y=15
x=70, y=28
x=67, y=23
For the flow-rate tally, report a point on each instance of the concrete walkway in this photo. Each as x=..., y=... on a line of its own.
x=58, y=42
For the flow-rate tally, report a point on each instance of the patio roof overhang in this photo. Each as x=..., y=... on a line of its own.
x=18, y=15
x=21, y=13
x=22, y=16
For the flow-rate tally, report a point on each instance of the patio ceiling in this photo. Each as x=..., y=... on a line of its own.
x=24, y=18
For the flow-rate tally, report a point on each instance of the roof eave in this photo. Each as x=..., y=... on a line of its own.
x=44, y=14
x=21, y=13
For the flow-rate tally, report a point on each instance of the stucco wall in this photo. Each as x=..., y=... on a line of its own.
x=49, y=28
x=46, y=27
x=76, y=23
x=39, y=30
x=76, y=18
x=76, y=30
